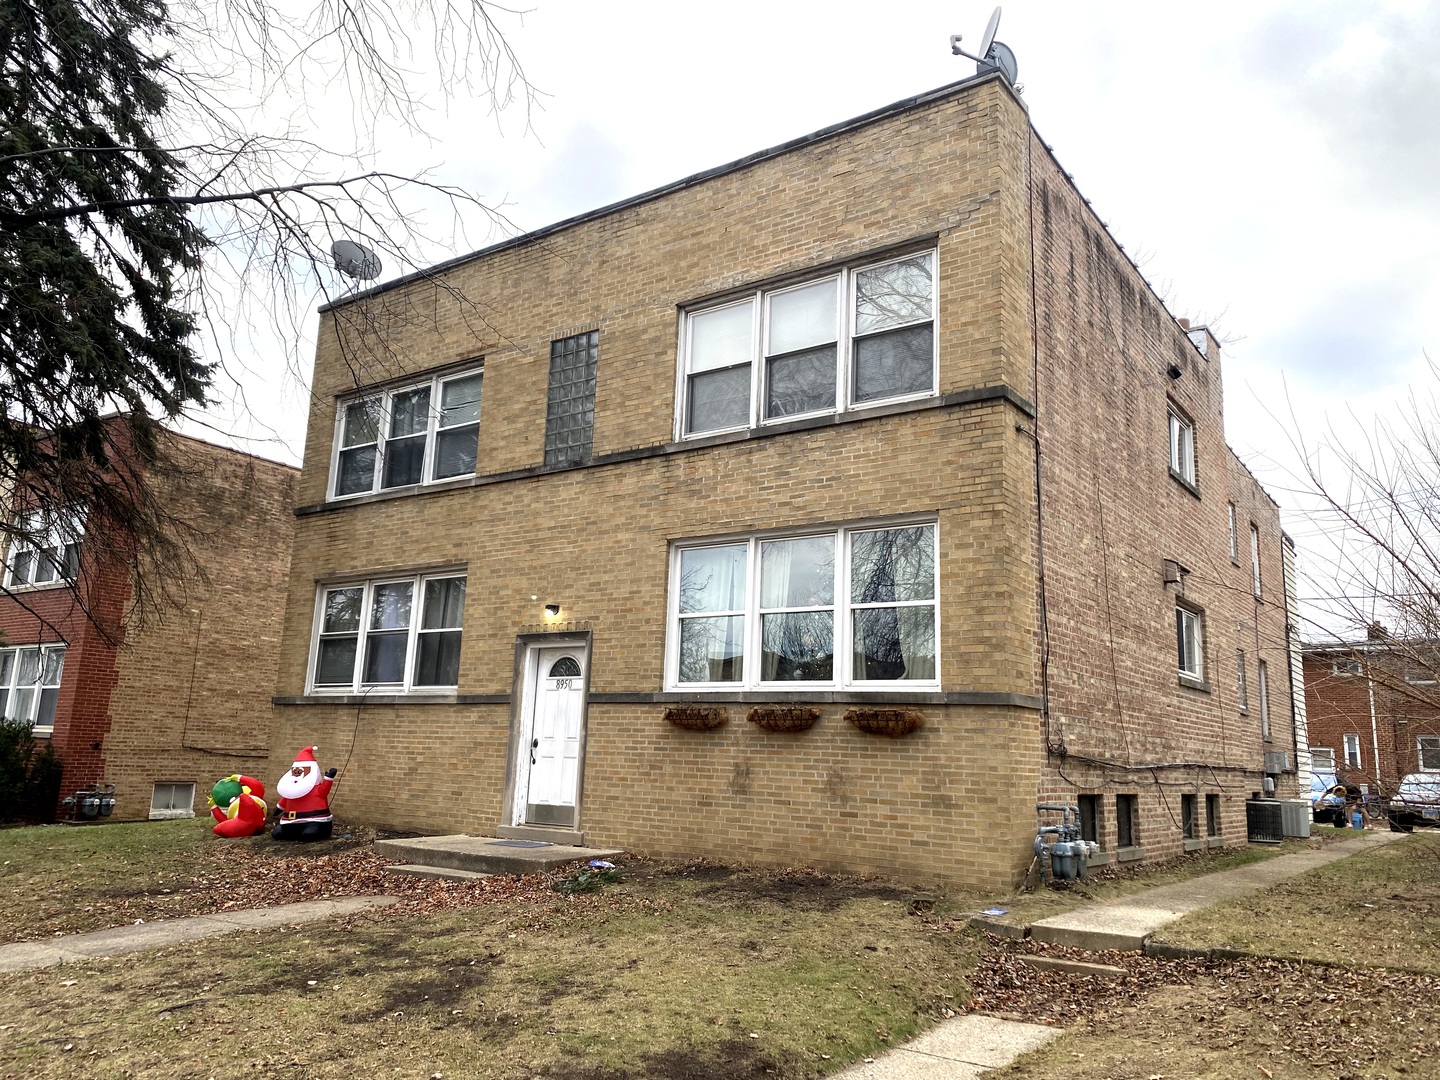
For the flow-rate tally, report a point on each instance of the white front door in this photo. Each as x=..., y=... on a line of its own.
x=550, y=752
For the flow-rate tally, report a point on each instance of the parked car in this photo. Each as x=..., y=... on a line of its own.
x=1327, y=799
x=1415, y=802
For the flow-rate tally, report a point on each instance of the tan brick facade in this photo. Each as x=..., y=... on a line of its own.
x=184, y=697
x=947, y=173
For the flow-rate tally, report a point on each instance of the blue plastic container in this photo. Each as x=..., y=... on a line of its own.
x=1357, y=819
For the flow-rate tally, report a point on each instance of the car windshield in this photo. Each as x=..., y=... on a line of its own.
x=1420, y=787
x=1322, y=781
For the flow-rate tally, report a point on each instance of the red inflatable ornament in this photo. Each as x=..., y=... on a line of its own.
x=237, y=804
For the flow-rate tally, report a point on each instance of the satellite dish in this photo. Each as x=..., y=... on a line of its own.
x=355, y=260
x=990, y=28
x=1000, y=56
x=994, y=55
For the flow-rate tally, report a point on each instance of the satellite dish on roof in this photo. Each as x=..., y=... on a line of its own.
x=990, y=28
x=355, y=260
x=994, y=55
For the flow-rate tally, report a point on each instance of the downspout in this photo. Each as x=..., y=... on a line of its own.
x=1374, y=730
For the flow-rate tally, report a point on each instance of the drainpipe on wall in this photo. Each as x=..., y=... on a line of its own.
x=1374, y=730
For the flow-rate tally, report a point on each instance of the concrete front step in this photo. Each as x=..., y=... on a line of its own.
x=488, y=854
x=406, y=870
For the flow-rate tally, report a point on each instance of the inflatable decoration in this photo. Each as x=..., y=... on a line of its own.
x=238, y=806
x=304, y=802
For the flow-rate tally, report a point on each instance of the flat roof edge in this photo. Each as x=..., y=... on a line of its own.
x=893, y=109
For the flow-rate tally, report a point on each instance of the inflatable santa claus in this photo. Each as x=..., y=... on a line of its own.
x=237, y=803
x=304, y=800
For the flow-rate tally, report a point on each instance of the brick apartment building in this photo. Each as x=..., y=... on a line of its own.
x=1374, y=709
x=162, y=708
x=874, y=427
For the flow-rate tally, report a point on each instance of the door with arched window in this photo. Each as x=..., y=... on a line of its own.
x=553, y=716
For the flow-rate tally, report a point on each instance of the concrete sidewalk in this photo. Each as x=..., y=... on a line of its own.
x=1127, y=923
x=24, y=955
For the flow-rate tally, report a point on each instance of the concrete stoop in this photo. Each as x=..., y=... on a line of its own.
x=468, y=857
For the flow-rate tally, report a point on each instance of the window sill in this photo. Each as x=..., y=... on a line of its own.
x=1213, y=842
x=170, y=815
x=1188, y=485
x=1192, y=683
x=1101, y=858
x=428, y=698
x=1129, y=854
x=1192, y=845
x=43, y=586
x=41, y=732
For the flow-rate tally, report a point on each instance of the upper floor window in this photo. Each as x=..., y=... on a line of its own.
x=844, y=341
x=45, y=549
x=1255, y=559
x=30, y=684
x=414, y=434
x=396, y=635
x=1182, y=447
x=1429, y=749
x=853, y=607
x=1352, y=751
x=1346, y=667
x=1189, y=641
x=1242, y=683
x=1322, y=758
x=1234, y=535
x=1262, y=680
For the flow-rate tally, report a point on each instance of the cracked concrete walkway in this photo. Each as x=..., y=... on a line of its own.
x=25, y=955
x=960, y=1048
x=1126, y=923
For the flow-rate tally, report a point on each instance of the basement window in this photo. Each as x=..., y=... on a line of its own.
x=1090, y=818
x=172, y=800
x=1212, y=815
x=1126, y=809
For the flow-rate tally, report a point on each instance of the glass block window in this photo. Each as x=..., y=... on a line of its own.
x=847, y=607
x=30, y=684
x=371, y=636
x=570, y=408
x=851, y=338
x=407, y=436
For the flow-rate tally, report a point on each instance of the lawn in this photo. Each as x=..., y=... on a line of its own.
x=682, y=970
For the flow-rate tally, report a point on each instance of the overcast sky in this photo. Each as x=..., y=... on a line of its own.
x=1273, y=167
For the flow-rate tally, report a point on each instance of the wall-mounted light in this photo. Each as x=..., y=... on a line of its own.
x=1174, y=371
x=552, y=611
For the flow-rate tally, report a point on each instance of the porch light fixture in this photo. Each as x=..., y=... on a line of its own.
x=552, y=611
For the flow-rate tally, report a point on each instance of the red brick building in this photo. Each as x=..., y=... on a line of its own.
x=1374, y=710
x=164, y=707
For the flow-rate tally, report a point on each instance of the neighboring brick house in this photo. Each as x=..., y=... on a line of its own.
x=762, y=444
x=162, y=708
x=1374, y=709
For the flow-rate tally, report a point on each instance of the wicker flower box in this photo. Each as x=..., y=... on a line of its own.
x=783, y=718
x=892, y=723
x=696, y=717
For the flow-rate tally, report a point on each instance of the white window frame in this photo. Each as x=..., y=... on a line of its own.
x=759, y=299
x=10, y=665
x=1262, y=684
x=1255, y=559
x=171, y=812
x=58, y=555
x=1196, y=620
x=1424, y=743
x=1234, y=534
x=1322, y=758
x=1242, y=684
x=1346, y=669
x=1353, y=759
x=1182, y=446
x=357, y=685
x=843, y=608
x=386, y=397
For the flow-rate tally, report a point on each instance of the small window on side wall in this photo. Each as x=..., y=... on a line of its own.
x=1182, y=447
x=1429, y=750
x=1126, y=809
x=1189, y=820
x=1190, y=643
x=1352, y=752
x=570, y=406
x=172, y=800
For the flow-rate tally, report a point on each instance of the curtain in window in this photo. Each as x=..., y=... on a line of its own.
x=712, y=646
x=797, y=645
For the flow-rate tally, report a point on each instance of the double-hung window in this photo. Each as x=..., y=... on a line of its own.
x=30, y=684
x=1190, y=643
x=848, y=607
x=395, y=635
x=1242, y=684
x=409, y=435
x=1352, y=751
x=1429, y=751
x=1255, y=560
x=851, y=339
x=1262, y=681
x=1182, y=447
x=45, y=549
